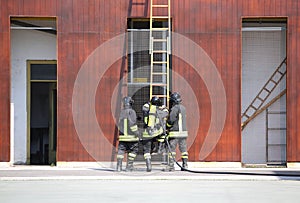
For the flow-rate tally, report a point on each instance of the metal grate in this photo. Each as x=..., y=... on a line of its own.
x=139, y=63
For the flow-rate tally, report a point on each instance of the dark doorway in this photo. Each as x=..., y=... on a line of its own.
x=43, y=105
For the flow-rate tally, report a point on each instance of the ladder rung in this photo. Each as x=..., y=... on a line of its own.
x=160, y=29
x=273, y=81
x=160, y=6
x=160, y=62
x=246, y=116
x=267, y=90
x=159, y=40
x=159, y=73
x=260, y=99
x=159, y=84
x=160, y=95
x=280, y=72
x=159, y=17
x=160, y=51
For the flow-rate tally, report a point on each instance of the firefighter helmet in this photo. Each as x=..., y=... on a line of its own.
x=156, y=101
x=175, y=98
x=128, y=101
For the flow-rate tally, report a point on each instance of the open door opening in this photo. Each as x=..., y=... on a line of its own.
x=33, y=83
x=263, y=106
x=43, y=105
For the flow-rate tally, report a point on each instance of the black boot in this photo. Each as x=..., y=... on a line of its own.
x=148, y=164
x=119, y=165
x=184, y=164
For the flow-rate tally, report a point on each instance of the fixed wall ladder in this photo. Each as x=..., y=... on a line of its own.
x=159, y=49
x=264, y=93
x=275, y=138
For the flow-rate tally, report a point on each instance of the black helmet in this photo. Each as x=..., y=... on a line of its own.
x=128, y=101
x=156, y=101
x=175, y=98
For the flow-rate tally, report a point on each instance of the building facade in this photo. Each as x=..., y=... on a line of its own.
x=66, y=64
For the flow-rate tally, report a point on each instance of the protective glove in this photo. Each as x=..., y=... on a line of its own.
x=150, y=131
x=138, y=134
x=167, y=136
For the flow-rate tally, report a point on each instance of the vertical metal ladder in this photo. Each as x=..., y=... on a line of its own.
x=275, y=138
x=160, y=49
x=264, y=93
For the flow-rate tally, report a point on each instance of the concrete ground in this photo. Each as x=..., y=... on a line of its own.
x=55, y=184
x=25, y=172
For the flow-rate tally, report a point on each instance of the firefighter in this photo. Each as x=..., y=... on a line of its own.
x=128, y=135
x=163, y=114
x=152, y=128
x=177, y=128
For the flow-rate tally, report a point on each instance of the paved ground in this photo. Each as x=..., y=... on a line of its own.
x=47, y=173
x=54, y=184
x=149, y=191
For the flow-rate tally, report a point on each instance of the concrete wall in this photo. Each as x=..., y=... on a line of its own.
x=262, y=52
x=25, y=45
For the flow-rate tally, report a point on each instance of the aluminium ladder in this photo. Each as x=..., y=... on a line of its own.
x=263, y=94
x=159, y=49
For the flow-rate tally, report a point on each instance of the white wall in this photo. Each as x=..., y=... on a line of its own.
x=25, y=45
x=262, y=52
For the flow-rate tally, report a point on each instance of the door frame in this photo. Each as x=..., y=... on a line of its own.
x=28, y=97
x=52, y=120
x=279, y=22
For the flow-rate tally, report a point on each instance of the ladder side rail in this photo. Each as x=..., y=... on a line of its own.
x=151, y=26
x=169, y=26
x=151, y=72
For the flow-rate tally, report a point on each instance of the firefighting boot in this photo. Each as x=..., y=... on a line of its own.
x=165, y=162
x=119, y=165
x=129, y=166
x=130, y=159
x=171, y=158
x=148, y=164
x=184, y=164
x=164, y=159
x=161, y=147
x=171, y=165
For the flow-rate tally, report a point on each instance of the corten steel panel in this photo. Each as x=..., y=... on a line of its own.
x=217, y=34
x=214, y=25
x=138, y=8
x=5, y=85
x=293, y=85
x=4, y=100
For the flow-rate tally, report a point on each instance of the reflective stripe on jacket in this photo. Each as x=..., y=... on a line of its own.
x=177, y=122
x=127, y=125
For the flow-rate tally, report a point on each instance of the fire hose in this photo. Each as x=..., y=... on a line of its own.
x=224, y=172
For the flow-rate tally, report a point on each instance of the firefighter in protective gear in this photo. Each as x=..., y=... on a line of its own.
x=163, y=114
x=128, y=135
x=178, y=133
x=152, y=128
